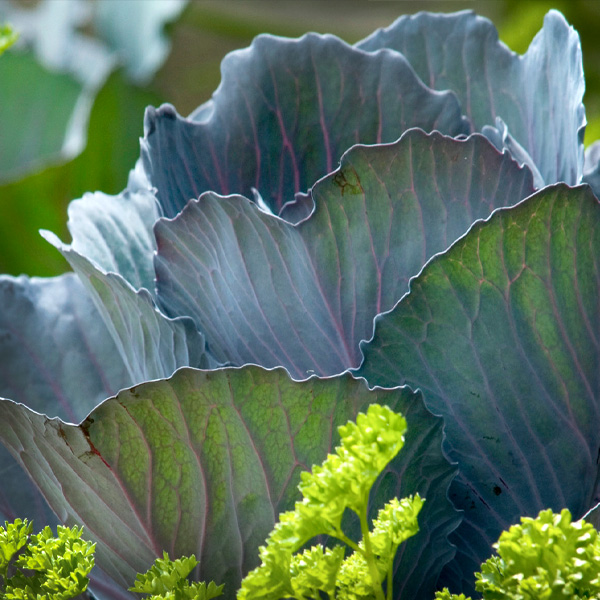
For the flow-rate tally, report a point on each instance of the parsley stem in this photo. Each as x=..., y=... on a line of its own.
x=390, y=579
x=340, y=535
x=369, y=556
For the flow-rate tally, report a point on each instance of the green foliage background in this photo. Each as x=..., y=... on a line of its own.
x=205, y=32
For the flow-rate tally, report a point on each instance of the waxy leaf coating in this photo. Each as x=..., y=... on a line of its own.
x=538, y=95
x=115, y=232
x=57, y=357
x=499, y=332
x=151, y=345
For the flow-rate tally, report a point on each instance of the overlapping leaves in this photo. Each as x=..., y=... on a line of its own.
x=534, y=100
x=284, y=114
x=499, y=331
x=341, y=483
x=268, y=292
x=65, y=371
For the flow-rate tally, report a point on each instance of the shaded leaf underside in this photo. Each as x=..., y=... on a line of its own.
x=66, y=371
x=203, y=462
x=267, y=292
x=501, y=335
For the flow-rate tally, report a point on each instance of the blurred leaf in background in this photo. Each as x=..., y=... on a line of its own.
x=41, y=199
x=33, y=131
x=135, y=34
x=67, y=125
x=7, y=37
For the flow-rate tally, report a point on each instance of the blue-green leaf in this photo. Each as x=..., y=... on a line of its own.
x=57, y=357
x=151, y=345
x=284, y=114
x=303, y=296
x=203, y=462
x=115, y=232
x=538, y=95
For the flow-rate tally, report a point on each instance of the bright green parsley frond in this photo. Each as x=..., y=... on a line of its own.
x=296, y=527
x=164, y=575
x=343, y=481
x=396, y=522
x=7, y=37
x=354, y=579
x=191, y=591
x=446, y=595
x=60, y=566
x=272, y=579
x=13, y=536
x=315, y=571
x=345, y=478
x=166, y=579
x=283, y=575
x=549, y=557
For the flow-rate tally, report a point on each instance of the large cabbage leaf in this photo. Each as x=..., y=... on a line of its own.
x=115, y=232
x=303, y=296
x=500, y=333
x=57, y=357
x=203, y=462
x=284, y=114
x=538, y=96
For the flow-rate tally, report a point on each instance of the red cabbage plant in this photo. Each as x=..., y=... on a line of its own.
x=408, y=221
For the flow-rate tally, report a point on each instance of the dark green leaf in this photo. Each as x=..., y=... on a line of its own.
x=501, y=335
